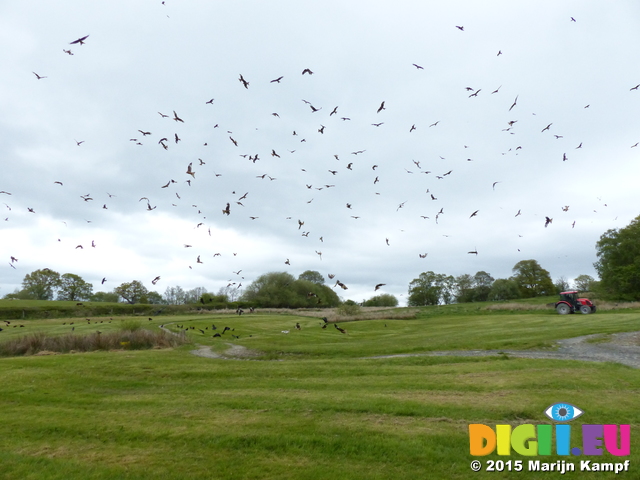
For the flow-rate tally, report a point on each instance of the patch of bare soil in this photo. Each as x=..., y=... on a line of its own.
x=234, y=352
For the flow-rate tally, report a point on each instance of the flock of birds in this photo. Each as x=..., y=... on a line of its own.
x=173, y=191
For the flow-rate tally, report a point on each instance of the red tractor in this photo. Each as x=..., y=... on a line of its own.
x=570, y=303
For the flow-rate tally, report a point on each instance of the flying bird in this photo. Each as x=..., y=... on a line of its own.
x=418, y=67
x=306, y=70
x=176, y=117
x=381, y=107
x=39, y=77
x=378, y=286
x=514, y=103
x=276, y=80
x=80, y=40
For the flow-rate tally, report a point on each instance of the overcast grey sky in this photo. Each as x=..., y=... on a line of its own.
x=480, y=105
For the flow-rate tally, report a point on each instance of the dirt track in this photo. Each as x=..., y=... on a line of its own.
x=621, y=348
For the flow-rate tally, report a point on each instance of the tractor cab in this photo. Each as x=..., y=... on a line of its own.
x=570, y=303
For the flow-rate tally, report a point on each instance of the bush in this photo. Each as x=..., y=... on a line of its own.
x=130, y=325
x=118, y=340
x=348, y=308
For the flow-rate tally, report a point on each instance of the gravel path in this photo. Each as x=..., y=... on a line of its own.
x=621, y=348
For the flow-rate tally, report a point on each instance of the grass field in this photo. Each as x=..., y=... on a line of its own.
x=311, y=407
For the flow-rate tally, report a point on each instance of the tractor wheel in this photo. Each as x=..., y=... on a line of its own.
x=563, y=309
x=585, y=309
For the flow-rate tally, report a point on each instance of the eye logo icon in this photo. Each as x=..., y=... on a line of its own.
x=563, y=412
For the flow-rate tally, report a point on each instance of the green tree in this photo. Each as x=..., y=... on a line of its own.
x=618, y=265
x=312, y=276
x=211, y=299
x=532, y=279
x=584, y=283
x=133, y=292
x=382, y=300
x=482, y=282
x=155, y=298
x=504, y=289
x=41, y=284
x=464, y=288
x=273, y=289
x=431, y=289
x=105, y=297
x=282, y=290
x=72, y=287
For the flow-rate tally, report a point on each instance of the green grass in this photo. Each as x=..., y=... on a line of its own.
x=319, y=412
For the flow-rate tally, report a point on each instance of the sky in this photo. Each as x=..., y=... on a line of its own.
x=426, y=131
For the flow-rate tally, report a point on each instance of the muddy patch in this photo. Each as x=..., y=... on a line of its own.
x=234, y=352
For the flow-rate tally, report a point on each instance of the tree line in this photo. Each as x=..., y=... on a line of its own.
x=529, y=279
x=618, y=265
